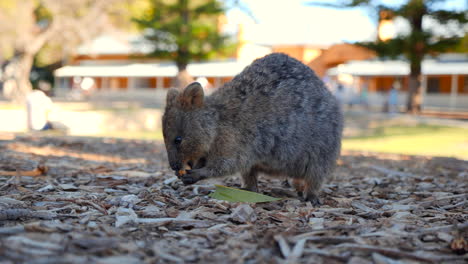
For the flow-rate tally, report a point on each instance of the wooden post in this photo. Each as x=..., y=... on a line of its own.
x=105, y=83
x=159, y=82
x=424, y=89
x=453, y=92
x=217, y=83
x=131, y=84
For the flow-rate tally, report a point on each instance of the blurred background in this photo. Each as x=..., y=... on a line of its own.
x=102, y=67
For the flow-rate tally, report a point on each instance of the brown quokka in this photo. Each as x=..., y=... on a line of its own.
x=275, y=117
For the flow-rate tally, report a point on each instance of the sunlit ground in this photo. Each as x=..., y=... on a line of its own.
x=415, y=140
x=57, y=151
x=146, y=135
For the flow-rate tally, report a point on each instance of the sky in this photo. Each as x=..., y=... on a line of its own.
x=294, y=22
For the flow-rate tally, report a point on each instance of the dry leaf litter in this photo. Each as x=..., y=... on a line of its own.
x=91, y=200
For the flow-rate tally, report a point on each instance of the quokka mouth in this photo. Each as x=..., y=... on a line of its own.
x=198, y=165
x=190, y=166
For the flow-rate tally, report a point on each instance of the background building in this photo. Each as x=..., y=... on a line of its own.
x=444, y=80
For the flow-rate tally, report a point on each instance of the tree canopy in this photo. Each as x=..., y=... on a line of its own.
x=447, y=33
x=185, y=30
x=53, y=27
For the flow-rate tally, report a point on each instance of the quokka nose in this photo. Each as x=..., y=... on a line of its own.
x=175, y=166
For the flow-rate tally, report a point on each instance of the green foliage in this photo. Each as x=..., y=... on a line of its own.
x=419, y=42
x=184, y=30
x=444, y=16
x=236, y=195
x=391, y=48
x=462, y=46
x=126, y=11
x=42, y=14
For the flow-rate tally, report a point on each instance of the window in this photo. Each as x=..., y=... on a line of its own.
x=433, y=85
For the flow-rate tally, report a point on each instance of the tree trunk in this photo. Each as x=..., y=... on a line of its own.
x=183, y=79
x=16, y=77
x=414, y=104
x=414, y=101
x=25, y=87
x=416, y=56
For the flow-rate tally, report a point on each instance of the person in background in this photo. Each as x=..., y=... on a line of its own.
x=364, y=96
x=87, y=86
x=393, y=99
x=38, y=107
x=340, y=93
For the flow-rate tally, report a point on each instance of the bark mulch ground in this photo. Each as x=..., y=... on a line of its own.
x=91, y=200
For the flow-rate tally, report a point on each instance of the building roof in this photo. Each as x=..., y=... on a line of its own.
x=205, y=69
x=116, y=44
x=399, y=68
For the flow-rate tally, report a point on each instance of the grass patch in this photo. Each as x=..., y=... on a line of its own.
x=416, y=140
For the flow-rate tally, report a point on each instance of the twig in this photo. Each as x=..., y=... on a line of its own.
x=391, y=172
x=322, y=230
x=297, y=251
x=11, y=230
x=8, y=183
x=15, y=214
x=31, y=244
x=325, y=254
x=445, y=228
x=283, y=245
x=363, y=207
x=324, y=239
x=80, y=202
x=460, y=204
x=168, y=220
x=160, y=253
x=391, y=252
x=428, y=203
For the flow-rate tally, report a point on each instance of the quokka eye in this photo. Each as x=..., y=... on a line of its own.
x=178, y=140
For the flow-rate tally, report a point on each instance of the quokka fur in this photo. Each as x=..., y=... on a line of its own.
x=276, y=117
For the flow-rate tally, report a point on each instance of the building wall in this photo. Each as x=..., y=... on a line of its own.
x=123, y=83
x=117, y=83
x=98, y=82
x=435, y=84
x=152, y=83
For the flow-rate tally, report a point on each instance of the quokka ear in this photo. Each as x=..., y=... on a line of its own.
x=192, y=96
x=171, y=96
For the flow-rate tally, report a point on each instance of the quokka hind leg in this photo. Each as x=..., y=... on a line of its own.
x=285, y=183
x=298, y=184
x=249, y=180
x=312, y=189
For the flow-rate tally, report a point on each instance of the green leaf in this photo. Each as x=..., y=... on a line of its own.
x=236, y=195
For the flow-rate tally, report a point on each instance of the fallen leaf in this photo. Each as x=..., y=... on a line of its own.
x=236, y=195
